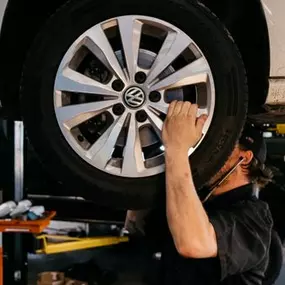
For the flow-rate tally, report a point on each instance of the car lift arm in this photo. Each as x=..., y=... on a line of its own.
x=72, y=244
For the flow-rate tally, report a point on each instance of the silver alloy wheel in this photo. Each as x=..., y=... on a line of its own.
x=111, y=118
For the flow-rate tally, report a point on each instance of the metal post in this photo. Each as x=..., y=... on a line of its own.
x=14, y=254
x=18, y=161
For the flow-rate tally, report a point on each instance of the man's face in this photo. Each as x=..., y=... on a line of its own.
x=232, y=160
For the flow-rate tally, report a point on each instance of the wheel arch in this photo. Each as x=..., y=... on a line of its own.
x=245, y=20
x=21, y=22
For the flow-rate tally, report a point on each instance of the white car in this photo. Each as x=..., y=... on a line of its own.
x=92, y=81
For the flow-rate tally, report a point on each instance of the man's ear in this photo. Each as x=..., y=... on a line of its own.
x=248, y=156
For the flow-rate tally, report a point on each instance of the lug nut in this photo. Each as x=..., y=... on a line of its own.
x=140, y=77
x=154, y=96
x=141, y=116
x=118, y=109
x=118, y=85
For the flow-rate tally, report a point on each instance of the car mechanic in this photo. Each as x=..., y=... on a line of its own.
x=224, y=237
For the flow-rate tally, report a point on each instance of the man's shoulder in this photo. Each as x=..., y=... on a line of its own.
x=254, y=203
x=254, y=210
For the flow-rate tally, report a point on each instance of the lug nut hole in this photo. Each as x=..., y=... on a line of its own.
x=141, y=116
x=154, y=96
x=118, y=109
x=140, y=77
x=118, y=85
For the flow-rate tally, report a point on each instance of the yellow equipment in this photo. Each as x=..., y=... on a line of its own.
x=65, y=243
x=279, y=129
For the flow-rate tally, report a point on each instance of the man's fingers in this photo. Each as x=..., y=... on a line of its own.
x=192, y=111
x=180, y=107
x=201, y=122
x=185, y=108
x=177, y=108
x=171, y=108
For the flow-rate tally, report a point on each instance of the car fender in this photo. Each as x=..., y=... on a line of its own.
x=274, y=12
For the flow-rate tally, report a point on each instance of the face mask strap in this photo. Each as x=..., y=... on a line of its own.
x=223, y=179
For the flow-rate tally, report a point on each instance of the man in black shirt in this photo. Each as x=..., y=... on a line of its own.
x=223, y=238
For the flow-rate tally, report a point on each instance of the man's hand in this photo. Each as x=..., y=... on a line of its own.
x=182, y=129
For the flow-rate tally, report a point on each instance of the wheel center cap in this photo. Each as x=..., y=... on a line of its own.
x=134, y=97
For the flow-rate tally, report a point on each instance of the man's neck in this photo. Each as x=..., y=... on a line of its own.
x=229, y=185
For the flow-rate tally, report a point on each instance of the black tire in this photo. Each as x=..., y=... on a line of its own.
x=275, y=260
x=41, y=65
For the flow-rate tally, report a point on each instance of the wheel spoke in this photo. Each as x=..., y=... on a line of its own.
x=161, y=106
x=100, y=46
x=174, y=44
x=103, y=148
x=193, y=73
x=130, y=31
x=72, y=81
x=133, y=162
x=155, y=121
x=73, y=115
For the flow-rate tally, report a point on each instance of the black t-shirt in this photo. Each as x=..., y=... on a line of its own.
x=243, y=227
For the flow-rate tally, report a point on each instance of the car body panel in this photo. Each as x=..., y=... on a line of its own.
x=274, y=11
x=276, y=94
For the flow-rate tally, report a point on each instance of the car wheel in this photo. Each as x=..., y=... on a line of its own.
x=96, y=87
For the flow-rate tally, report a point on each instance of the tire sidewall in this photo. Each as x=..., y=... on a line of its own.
x=50, y=47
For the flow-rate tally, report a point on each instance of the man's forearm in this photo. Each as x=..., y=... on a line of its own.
x=187, y=219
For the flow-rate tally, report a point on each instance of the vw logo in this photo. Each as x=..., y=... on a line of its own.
x=134, y=97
